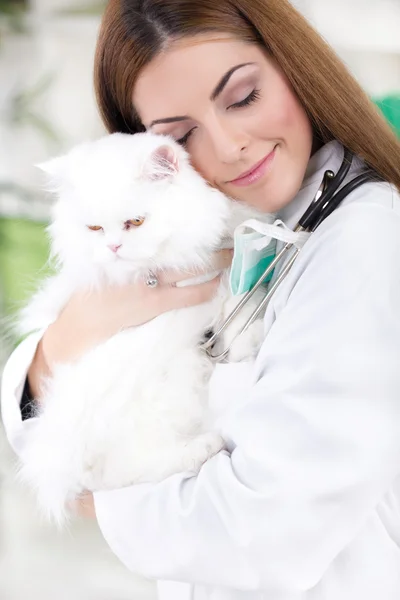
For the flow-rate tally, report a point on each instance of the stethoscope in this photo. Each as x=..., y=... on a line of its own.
x=325, y=202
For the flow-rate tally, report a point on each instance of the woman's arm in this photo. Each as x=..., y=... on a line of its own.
x=316, y=445
x=88, y=319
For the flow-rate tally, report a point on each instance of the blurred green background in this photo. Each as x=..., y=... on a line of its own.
x=23, y=254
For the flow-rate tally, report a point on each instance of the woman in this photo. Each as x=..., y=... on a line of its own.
x=305, y=501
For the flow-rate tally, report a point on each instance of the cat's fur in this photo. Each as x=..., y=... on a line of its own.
x=134, y=408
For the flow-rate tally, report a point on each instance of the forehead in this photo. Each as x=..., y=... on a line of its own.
x=188, y=72
x=110, y=204
x=108, y=193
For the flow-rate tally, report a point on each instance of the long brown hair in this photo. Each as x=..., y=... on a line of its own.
x=133, y=32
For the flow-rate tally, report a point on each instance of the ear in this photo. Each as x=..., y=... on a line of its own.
x=55, y=168
x=163, y=164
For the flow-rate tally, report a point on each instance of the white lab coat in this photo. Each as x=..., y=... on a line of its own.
x=305, y=503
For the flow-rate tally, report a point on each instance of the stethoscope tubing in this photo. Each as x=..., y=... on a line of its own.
x=323, y=205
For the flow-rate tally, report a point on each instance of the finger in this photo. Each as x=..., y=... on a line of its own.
x=85, y=505
x=220, y=260
x=173, y=276
x=191, y=295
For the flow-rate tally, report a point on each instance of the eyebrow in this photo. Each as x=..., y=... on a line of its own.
x=217, y=92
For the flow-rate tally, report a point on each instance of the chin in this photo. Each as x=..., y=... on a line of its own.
x=272, y=202
x=117, y=273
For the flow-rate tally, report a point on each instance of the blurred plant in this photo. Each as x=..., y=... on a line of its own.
x=11, y=7
x=94, y=8
x=23, y=249
x=20, y=109
x=9, y=187
x=12, y=13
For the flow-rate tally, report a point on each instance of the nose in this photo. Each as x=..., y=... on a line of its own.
x=114, y=247
x=229, y=143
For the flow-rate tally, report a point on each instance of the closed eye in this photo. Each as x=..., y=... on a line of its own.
x=183, y=140
x=95, y=228
x=251, y=98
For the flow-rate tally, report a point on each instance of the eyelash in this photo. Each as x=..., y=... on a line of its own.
x=251, y=98
x=183, y=141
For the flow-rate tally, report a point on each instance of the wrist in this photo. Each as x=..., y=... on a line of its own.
x=70, y=336
x=61, y=343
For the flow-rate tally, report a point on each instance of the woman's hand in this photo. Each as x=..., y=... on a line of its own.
x=91, y=317
x=83, y=506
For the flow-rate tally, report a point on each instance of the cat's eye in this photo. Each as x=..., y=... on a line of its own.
x=95, y=228
x=136, y=222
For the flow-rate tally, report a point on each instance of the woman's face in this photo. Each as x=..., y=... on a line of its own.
x=230, y=106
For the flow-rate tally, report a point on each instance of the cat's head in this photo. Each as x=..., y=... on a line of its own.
x=129, y=203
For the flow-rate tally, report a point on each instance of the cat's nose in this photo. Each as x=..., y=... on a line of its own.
x=114, y=247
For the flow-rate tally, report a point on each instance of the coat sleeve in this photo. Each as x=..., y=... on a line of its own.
x=12, y=387
x=315, y=446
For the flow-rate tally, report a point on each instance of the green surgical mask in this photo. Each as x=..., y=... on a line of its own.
x=248, y=263
x=255, y=249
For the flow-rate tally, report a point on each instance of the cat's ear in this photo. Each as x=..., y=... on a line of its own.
x=55, y=168
x=163, y=164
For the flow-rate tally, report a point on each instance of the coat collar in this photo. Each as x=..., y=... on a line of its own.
x=330, y=156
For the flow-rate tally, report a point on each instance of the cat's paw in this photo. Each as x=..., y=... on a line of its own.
x=200, y=449
x=248, y=344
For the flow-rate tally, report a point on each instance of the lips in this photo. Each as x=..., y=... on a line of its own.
x=256, y=171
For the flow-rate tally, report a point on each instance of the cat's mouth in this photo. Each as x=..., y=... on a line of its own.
x=118, y=256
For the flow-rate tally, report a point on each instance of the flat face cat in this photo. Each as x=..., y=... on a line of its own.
x=134, y=408
x=132, y=203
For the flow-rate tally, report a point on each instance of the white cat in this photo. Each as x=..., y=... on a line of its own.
x=134, y=408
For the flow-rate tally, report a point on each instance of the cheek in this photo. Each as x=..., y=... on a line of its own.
x=97, y=242
x=130, y=243
x=135, y=244
x=149, y=240
x=96, y=249
x=288, y=118
x=71, y=240
x=198, y=160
